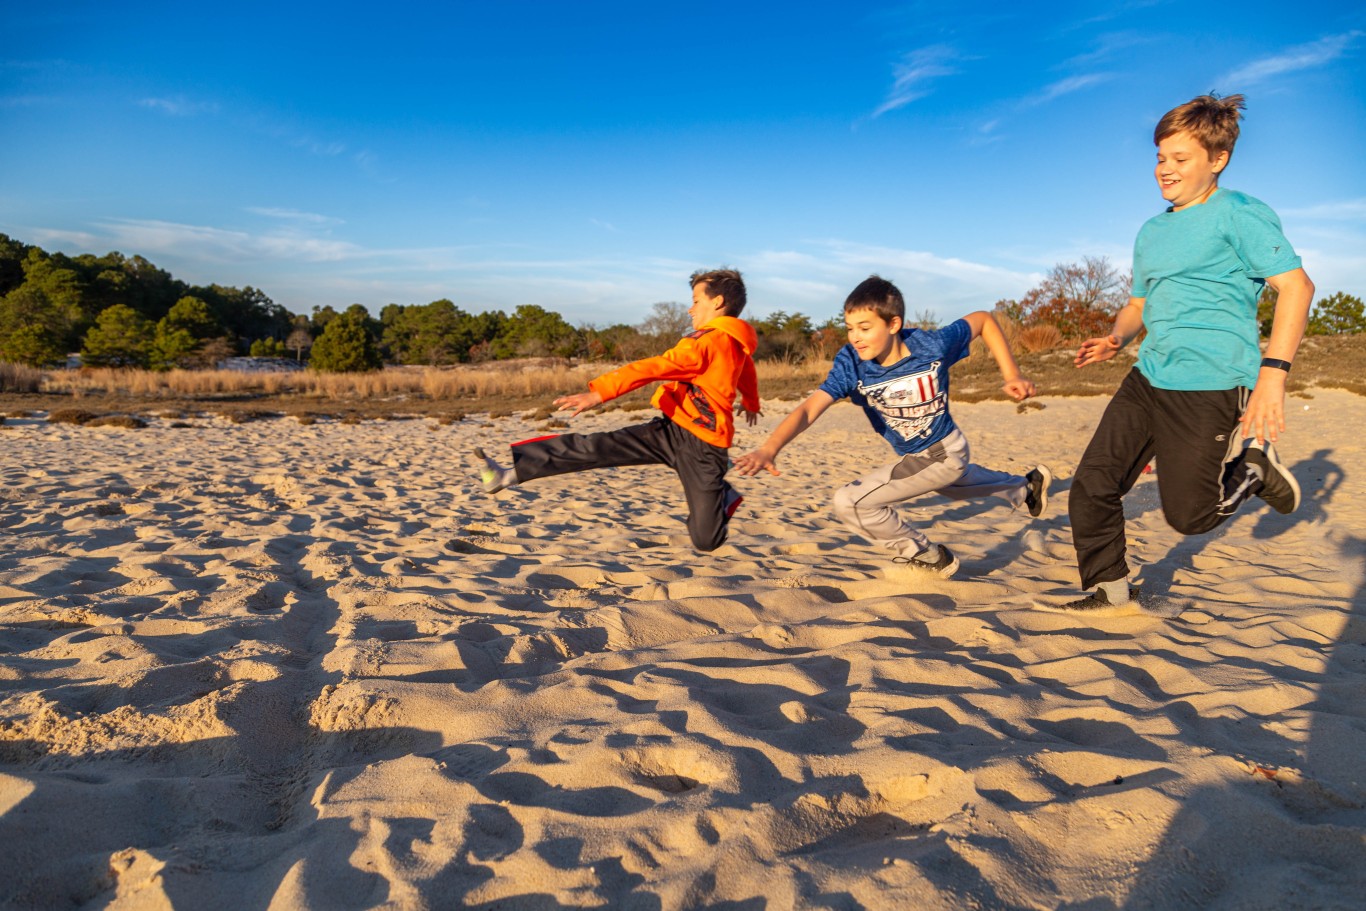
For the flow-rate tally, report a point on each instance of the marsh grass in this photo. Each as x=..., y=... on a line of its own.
x=517, y=387
x=20, y=378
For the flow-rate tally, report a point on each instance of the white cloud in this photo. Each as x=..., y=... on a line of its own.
x=815, y=281
x=1064, y=87
x=1342, y=210
x=915, y=72
x=1300, y=57
x=179, y=106
x=294, y=215
x=197, y=242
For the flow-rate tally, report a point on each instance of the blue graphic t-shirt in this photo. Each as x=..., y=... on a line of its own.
x=908, y=402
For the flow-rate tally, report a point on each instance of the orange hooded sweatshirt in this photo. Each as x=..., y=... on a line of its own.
x=701, y=376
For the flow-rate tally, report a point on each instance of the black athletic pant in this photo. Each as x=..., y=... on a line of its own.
x=1201, y=475
x=700, y=466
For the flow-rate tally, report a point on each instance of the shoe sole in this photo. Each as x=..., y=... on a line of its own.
x=1043, y=490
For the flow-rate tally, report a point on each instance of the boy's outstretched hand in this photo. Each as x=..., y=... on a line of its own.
x=578, y=403
x=1095, y=350
x=751, y=417
x=1020, y=389
x=751, y=463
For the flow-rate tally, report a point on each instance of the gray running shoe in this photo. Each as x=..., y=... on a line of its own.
x=731, y=501
x=945, y=566
x=1097, y=604
x=493, y=476
x=1279, y=487
x=1036, y=491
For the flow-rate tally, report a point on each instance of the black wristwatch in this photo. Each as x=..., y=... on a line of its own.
x=1277, y=363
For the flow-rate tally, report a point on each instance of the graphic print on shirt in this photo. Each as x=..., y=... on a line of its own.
x=909, y=404
x=706, y=415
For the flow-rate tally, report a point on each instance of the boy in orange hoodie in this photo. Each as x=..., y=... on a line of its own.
x=701, y=376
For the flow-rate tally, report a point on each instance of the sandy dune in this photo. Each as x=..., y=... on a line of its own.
x=276, y=666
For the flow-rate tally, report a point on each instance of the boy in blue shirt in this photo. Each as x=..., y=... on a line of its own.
x=1201, y=398
x=900, y=377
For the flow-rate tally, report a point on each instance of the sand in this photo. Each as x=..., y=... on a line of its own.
x=272, y=666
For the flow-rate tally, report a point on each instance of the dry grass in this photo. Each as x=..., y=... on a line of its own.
x=19, y=378
x=500, y=390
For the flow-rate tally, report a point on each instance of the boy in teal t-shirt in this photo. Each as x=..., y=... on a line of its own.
x=1201, y=398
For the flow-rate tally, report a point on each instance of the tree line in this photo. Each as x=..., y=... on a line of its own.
x=125, y=312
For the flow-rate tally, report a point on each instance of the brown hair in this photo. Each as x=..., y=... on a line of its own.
x=1212, y=120
x=726, y=284
x=879, y=295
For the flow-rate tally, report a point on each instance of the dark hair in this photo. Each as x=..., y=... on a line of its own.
x=879, y=295
x=1212, y=120
x=727, y=284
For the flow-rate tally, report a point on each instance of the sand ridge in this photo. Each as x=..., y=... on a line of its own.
x=282, y=666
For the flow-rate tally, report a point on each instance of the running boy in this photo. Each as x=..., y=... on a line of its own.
x=1199, y=268
x=900, y=377
x=701, y=376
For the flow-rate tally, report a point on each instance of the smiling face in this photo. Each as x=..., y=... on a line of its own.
x=705, y=308
x=1185, y=172
x=873, y=338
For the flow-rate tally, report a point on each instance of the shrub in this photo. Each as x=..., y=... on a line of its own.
x=70, y=416
x=117, y=420
x=1043, y=337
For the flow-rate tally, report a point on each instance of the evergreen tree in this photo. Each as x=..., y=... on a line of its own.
x=121, y=337
x=347, y=345
x=33, y=328
x=1337, y=314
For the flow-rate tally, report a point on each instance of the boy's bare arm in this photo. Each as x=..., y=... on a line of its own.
x=1128, y=323
x=802, y=417
x=984, y=325
x=1264, y=416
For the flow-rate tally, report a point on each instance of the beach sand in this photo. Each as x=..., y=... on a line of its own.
x=270, y=666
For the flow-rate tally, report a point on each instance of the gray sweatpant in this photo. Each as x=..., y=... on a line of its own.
x=865, y=506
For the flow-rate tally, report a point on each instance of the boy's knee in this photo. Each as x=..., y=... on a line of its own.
x=1192, y=523
x=844, y=505
x=708, y=542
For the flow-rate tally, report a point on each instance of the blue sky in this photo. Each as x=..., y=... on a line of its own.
x=588, y=156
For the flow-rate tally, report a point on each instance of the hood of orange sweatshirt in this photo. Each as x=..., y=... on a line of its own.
x=737, y=329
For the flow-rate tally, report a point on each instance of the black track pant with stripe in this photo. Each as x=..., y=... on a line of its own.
x=1201, y=475
x=701, y=467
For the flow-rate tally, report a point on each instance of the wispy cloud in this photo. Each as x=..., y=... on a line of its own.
x=1063, y=87
x=179, y=106
x=915, y=74
x=294, y=215
x=1301, y=57
x=190, y=242
x=1341, y=210
x=1106, y=47
x=815, y=279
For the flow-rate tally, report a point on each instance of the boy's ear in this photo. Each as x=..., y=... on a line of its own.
x=896, y=323
x=1220, y=161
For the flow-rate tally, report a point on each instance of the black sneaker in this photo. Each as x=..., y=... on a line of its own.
x=731, y=501
x=1036, y=491
x=493, y=476
x=946, y=565
x=1097, y=604
x=1279, y=487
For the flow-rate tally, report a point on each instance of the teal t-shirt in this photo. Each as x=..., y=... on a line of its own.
x=1200, y=272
